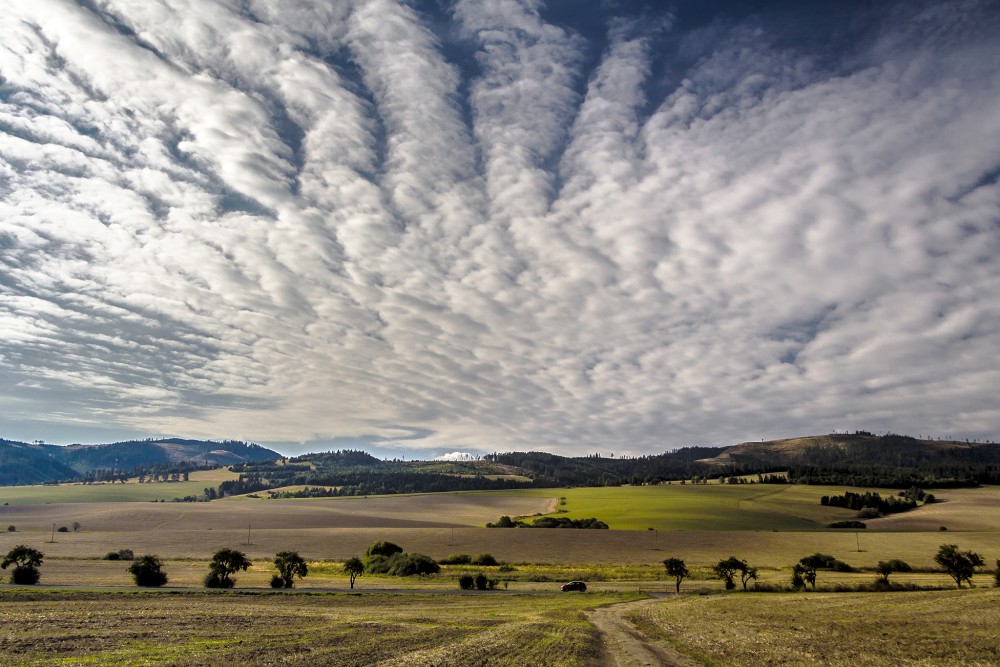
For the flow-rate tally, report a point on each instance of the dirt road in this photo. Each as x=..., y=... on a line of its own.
x=624, y=646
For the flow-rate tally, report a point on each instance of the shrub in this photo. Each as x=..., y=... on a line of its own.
x=456, y=559
x=277, y=581
x=25, y=576
x=121, y=554
x=484, y=583
x=851, y=523
x=148, y=571
x=402, y=565
x=507, y=568
x=215, y=580
x=11, y=529
x=62, y=529
x=996, y=575
x=383, y=548
x=485, y=560
x=466, y=582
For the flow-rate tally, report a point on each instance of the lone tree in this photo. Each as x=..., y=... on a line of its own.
x=676, y=569
x=806, y=568
x=960, y=565
x=26, y=562
x=224, y=563
x=354, y=568
x=747, y=573
x=887, y=567
x=290, y=565
x=726, y=570
x=996, y=575
x=148, y=571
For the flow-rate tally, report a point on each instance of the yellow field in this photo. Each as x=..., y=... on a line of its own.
x=840, y=629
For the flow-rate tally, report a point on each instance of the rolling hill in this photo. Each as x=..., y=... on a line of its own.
x=24, y=463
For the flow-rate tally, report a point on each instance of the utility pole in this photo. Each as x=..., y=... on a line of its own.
x=53, y=539
x=248, y=534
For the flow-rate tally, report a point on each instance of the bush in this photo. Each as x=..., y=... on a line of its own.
x=383, y=548
x=11, y=529
x=483, y=583
x=456, y=559
x=485, y=560
x=466, y=582
x=507, y=568
x=121, y=554
x=215, y=580
x=148, y=571
x=62, y=529
x=25, y=575
x=996, y=575
x=277, y=581
x=852, y=523
x=402, y=565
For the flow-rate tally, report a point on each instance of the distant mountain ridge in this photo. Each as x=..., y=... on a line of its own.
x=29, y=463
x=859, y=448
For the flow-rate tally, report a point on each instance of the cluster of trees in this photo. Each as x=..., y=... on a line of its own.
x=870, y=500
x=385, y=557
x=960, y=565
x=549, y=522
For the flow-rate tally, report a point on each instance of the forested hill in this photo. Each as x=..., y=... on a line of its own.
x=24, y=463
x=357, y=473
x=866, y=459
x=862, y=459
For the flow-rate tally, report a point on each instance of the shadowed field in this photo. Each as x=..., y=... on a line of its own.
x=216, y=629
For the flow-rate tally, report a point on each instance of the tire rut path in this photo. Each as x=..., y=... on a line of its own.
x=622, y=643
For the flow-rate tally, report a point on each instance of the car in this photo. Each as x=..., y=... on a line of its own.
x=574, y=586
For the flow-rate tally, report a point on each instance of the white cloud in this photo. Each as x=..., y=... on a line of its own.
x=296, y=221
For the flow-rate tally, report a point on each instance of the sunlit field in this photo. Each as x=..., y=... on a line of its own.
x=849, y=629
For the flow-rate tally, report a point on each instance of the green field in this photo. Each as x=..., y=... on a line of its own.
x=225, y=628
x=131, y=491
x=699, y=507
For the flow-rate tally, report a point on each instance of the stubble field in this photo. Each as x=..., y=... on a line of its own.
x=43, y=628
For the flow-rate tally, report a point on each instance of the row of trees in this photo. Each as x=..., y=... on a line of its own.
x=960, y=566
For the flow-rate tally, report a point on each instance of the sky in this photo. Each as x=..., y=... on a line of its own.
x=423, y=228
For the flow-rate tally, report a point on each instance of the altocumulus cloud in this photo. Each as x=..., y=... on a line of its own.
x=498, y=225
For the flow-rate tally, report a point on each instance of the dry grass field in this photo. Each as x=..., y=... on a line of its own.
x=43, y=628
x=836, y=629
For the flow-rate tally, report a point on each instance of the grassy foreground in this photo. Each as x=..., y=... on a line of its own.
x=227, y=628
x=850, y=629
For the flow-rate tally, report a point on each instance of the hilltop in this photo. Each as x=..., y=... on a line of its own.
x=24, y=463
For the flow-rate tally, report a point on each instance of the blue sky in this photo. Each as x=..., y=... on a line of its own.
x=483, y=226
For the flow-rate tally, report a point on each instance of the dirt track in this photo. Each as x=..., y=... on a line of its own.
x=624, y=646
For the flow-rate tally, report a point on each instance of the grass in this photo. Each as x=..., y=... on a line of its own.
x=849, y=629
x=162, y=628
x=699, y=507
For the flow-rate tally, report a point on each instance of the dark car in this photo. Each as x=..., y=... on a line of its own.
x=574, y=586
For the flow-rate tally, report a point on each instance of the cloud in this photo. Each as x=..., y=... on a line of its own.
x=480, y=228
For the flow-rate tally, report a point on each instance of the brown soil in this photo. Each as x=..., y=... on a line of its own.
x=623, y=645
